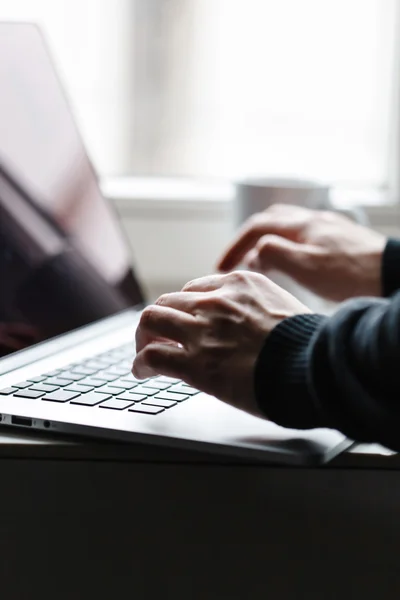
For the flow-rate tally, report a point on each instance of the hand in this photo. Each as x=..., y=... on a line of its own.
x=324, y=251
x=211, y=334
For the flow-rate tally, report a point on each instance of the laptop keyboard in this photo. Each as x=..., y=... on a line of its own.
x=104, y=381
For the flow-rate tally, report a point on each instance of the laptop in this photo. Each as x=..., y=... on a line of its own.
x=70, y=299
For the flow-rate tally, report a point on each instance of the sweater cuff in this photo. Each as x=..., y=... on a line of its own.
x=391, y=267
x=281, y=374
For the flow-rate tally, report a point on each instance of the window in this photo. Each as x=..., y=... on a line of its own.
x=282, y=86
x=230, y=87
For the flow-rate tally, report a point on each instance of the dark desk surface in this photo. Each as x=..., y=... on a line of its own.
x=90, y=520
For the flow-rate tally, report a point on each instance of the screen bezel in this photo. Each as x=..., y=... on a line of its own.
x=59, y=343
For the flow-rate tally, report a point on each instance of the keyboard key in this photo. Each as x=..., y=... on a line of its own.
x=171, y=396
x=131, y=379
x=105, y=376
x=103, y=356
x=124, y=385
x=7, y=391
x=159, y=402
x=121, y=354
x=58, y=381
x=61, y=396
x=143, y=389
x=22, y=384
x=91, y=399
x=38, y=379
x=148, y=410
x=28, y=394
x=108, y=389
x=53, y=373
x=169, y=380
x=116, y=353
x=92, y=382
x=126, y=364
x=180, y=388
x=44, y=387
x=95, y=364
x=158, y=385
x=119, y=370
x=132, y=397
x=83, y=370
x=116, y=404
x=106, y=360
x=78, y=387
x=72, y=376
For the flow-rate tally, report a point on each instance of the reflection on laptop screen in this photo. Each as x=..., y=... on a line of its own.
x=63, y=259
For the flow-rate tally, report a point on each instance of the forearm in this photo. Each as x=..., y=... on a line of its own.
x=340, y=372
x=354, y=371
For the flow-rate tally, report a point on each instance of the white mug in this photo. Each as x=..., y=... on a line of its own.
x=254, y=195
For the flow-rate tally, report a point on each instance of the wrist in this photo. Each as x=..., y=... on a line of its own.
x=281, y=373
x=390, y=267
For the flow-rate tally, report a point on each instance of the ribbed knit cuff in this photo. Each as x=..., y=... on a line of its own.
x=281, y=387
x=391, y=267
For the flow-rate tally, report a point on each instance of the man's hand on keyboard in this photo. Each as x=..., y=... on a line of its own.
x=211, y=333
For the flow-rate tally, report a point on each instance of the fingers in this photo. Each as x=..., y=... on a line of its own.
x=161, y=359
x=191, y=293
x=250, y=233
x=276, y=253
x=163, y=322
x=185, y=301
x=172, y=317
x=209, y=283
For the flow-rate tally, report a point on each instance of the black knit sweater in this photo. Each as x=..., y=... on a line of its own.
x=341, y=372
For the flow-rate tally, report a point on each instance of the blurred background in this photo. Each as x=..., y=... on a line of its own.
x=203, y=92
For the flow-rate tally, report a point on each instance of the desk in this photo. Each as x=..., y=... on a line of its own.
x=90, y=520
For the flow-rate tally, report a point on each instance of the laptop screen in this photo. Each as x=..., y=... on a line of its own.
x=64, y=261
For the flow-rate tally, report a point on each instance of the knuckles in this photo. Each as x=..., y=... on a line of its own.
x=238, y=277
x=266, y=245
x=244, y=279
x=162, y=300
x=263, y=245
x=237, y=287
x=188, y=286
x=216, y=302
x=148, y=316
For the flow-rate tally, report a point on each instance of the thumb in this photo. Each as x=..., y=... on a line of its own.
x=273, y=252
